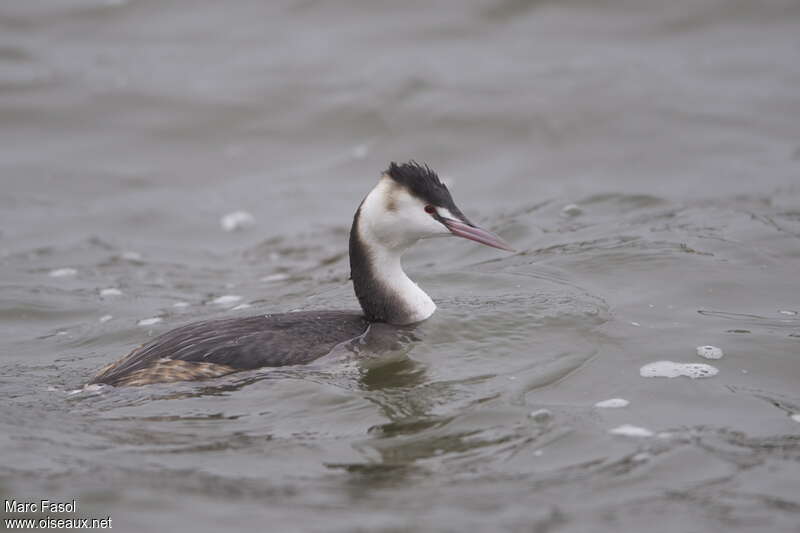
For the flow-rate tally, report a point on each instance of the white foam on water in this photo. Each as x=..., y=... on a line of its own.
x=241, y=306
x=628, y=430
x=237, y=220
x=95, y=388
x=796, y=417
x=275, y=277
x=787, y=312
x=572, y=210
x=613, y=403
x=111, y=292
x=540, y=415
x=180, y=304
x=62, y=272
x=105, y=318
x=709, y=352
x=131, y=256
x=150, y=321
x=671, y=369
x=226, y=299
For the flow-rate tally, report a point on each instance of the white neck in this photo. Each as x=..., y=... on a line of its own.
x=386, y=293
x=389, y=271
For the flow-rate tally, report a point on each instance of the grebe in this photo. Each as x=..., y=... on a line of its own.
x=409, y=203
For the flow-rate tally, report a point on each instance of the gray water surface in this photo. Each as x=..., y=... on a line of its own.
x=128, y=128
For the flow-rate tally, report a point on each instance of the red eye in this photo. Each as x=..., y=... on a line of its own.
x=430, y=209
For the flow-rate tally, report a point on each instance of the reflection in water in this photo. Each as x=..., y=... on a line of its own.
x=397, y=374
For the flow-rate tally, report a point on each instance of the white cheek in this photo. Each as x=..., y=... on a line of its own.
x=423, y=223
x=404, y=224
x=416, y=222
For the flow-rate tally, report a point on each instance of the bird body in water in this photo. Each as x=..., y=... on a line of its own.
x=409, y=203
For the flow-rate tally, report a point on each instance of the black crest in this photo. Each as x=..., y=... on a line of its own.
x=423, y=183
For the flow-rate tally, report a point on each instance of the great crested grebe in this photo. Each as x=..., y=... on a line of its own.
x=409, y=203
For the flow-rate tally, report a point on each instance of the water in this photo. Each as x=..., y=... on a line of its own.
x=643, y=156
